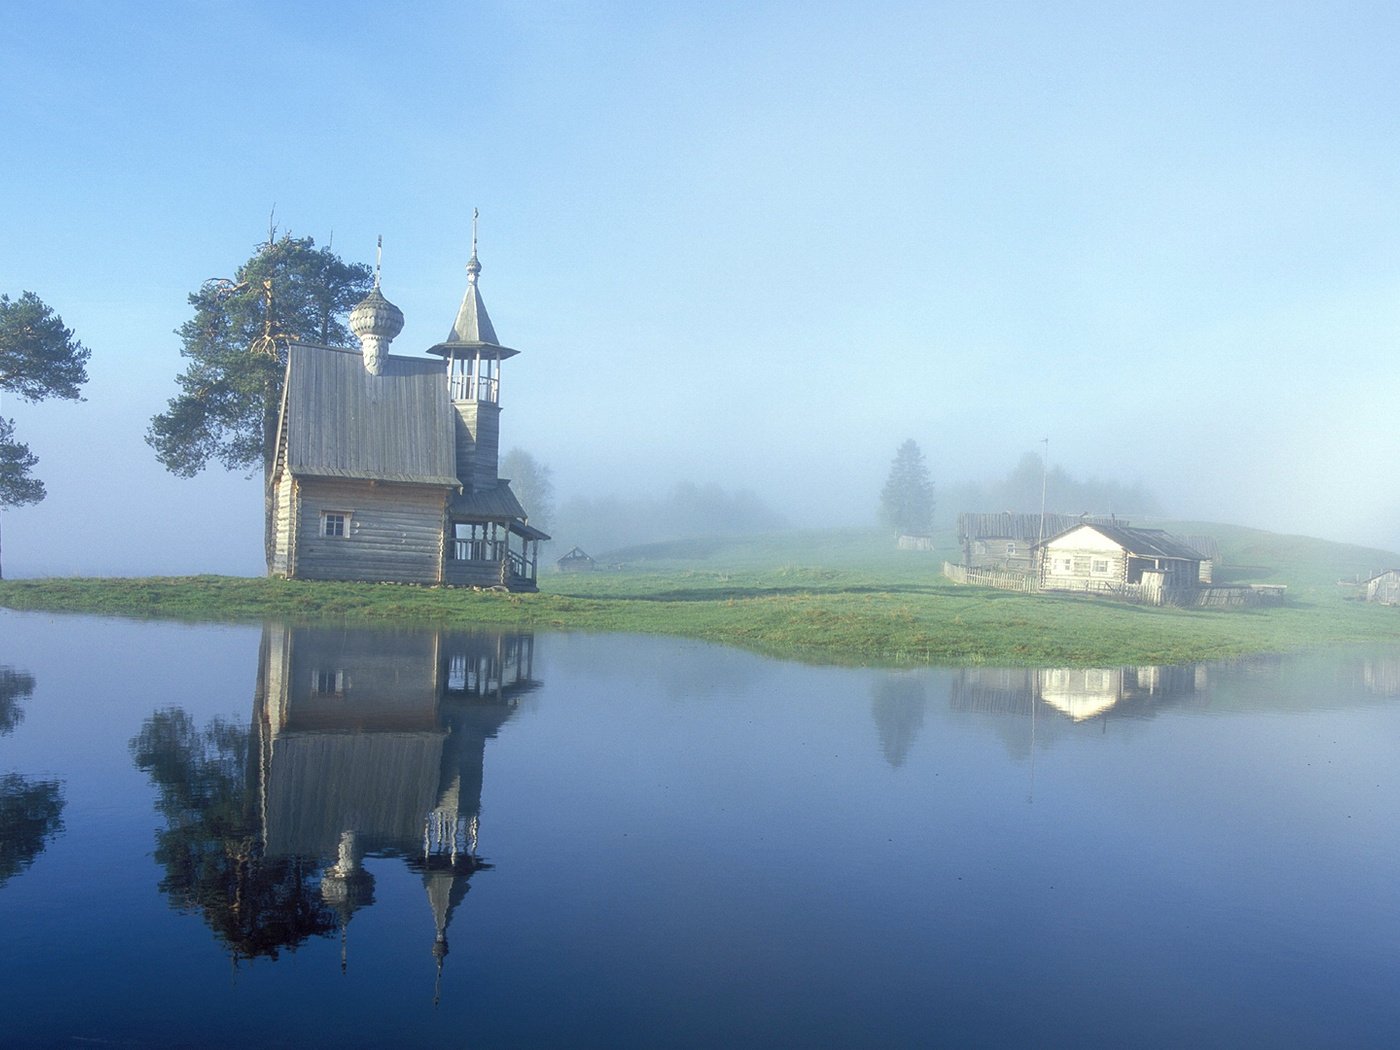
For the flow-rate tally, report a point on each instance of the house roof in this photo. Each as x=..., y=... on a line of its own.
x=1023, y=527
x=1145, y=543
x=342, y=422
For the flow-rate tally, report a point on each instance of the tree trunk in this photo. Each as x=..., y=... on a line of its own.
x=271, y=408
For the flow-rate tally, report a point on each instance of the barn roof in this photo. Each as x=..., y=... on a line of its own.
x=1148, y=543
x=343, y=422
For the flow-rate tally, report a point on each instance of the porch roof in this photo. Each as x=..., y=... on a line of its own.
x=493, y=504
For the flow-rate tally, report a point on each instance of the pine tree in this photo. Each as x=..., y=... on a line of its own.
x=39, y=358
x=236, y=346
x=906, y=501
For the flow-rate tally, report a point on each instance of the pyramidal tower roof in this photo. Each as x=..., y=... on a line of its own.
x=473, y=331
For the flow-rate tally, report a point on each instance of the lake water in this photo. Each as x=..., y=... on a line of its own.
x=275, y=836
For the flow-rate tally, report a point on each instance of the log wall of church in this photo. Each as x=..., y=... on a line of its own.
x=391, y=532
x=283, y=518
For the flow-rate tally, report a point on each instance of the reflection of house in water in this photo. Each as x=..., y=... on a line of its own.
x=373, y=743
x=1077, y=692
x=1380, y=674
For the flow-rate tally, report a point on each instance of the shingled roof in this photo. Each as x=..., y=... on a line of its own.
x=343, y=422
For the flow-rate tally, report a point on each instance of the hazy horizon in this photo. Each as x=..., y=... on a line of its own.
x=752, y=247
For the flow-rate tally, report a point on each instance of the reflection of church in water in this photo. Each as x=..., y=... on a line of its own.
x=372, y=743
x=1078, y=693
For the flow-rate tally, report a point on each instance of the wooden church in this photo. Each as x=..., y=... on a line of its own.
x=386, y=466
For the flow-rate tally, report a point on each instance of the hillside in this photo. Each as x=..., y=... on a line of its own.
x=1304, y=563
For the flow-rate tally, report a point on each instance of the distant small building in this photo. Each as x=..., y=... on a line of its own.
x=910, y=542
x=1145, y=564
x=1384, y=588
x=577, y=560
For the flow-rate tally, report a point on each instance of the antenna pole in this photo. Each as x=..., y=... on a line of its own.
x=1044, y=477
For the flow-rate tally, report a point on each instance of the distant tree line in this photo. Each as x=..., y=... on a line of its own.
x=1019, y=491
x=599, y=524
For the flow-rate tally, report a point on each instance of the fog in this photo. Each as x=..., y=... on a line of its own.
x=753, y=249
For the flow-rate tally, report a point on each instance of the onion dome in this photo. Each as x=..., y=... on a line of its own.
x=374, y=315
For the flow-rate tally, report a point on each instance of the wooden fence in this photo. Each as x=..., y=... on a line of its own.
x=1233, y=596
x=1002, y=579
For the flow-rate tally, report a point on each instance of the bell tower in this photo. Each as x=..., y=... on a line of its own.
x=473, y=356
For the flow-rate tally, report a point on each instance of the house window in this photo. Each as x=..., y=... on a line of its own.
x=335, y=522
x=1081, y=566
x=328, y=683
x=1011, y=550
x=1100, y=566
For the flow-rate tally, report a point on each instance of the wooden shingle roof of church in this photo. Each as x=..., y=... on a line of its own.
x=340, y=421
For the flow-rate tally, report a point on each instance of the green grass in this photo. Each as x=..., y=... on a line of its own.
x=843, y=596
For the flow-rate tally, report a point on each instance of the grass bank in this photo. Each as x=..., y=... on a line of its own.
x=841, y=596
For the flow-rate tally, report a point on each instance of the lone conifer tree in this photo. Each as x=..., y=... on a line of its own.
x=39, y=358
x=906, y=501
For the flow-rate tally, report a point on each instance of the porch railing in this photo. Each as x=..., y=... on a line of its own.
x=477, y=550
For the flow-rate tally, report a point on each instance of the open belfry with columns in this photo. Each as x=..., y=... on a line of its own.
x=387, y=466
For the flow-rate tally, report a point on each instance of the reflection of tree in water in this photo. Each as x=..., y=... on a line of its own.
x=14, y=687
x=31, y=811
x=211, y=849
x=30, y=814
x=898, y=709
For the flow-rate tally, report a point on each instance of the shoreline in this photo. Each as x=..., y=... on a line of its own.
x=806, y=614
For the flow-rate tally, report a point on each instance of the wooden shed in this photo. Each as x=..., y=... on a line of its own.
x=1384, y=587
x=386, y=466
x=577, y=560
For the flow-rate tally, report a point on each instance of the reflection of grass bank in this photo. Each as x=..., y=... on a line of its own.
x=840, y=596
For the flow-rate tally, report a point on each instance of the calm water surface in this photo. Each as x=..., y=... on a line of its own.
x=232, y=836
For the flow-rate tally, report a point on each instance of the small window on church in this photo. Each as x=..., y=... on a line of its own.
x=329, y=683
x=335, y=523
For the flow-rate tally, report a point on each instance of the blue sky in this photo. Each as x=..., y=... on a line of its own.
x=754, y=244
